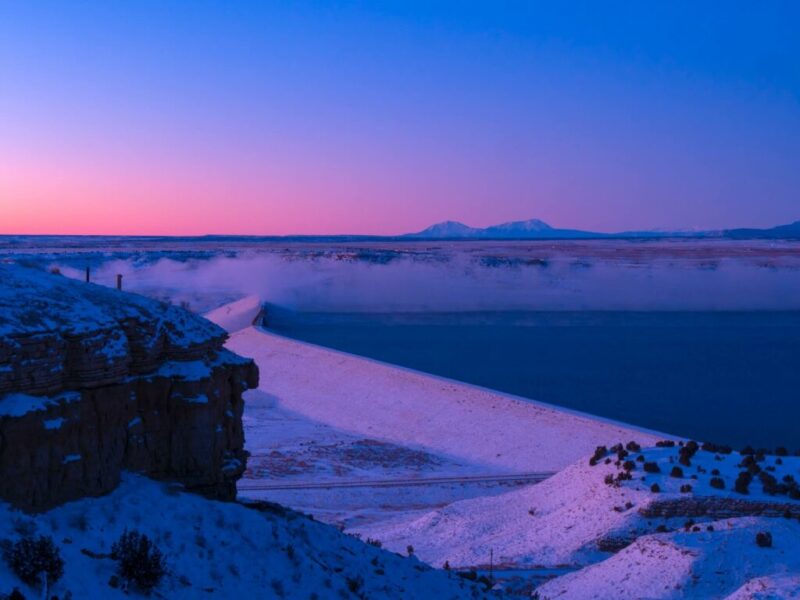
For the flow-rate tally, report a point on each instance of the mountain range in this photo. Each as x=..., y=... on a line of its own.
x=535, y=229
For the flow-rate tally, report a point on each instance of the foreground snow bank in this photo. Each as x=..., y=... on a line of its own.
x=220, y=550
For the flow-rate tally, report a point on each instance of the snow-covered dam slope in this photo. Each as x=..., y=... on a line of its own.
x=493, y=431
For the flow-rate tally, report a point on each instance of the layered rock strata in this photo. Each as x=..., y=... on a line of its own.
x=94, y=381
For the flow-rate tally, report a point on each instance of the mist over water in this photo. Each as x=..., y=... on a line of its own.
x=700, y=347
x=460, y=283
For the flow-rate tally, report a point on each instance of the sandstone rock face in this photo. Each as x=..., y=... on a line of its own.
x=94, y=381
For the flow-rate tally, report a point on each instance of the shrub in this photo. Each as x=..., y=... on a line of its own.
x=747, y=450
x=632, y=447
x=354, y=584
x=743, y=482
x=749, y=462
x=684, y=456
x=665, y=444
x=716, y=448
x=599, y=453
x=676, y=472
x=764, y=539
x=629, y=465
x=781, y=451
x=31, y=558
x=718, y=483
x=686, y=488
x=769, y=483
x=655, y=488
x=651, y=467
x=140, y=561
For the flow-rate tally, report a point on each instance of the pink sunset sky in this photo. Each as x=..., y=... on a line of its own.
x=159, y=118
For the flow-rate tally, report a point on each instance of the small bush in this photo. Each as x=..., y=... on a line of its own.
x=629, y=465
x=764, y=539
x=655, y=488
x=599, y=453
x=354, y=584
x=717, y=483
x=686, y=488
x=770, y=484
x=632, y=447
x=743, y=482
x=651, y=467
x=31, y=558
x=676, y=472
x=665, y=444
x=140, y=561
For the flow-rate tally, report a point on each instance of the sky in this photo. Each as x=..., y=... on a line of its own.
x=180, y=118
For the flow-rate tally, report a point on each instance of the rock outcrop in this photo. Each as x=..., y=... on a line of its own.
x=719, y=507
x=94, y=381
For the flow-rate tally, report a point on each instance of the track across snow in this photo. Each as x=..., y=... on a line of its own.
x=366, y=483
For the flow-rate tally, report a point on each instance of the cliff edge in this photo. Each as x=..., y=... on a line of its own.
x=94, y=381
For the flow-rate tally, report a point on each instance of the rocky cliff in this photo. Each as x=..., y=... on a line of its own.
x=94, y=381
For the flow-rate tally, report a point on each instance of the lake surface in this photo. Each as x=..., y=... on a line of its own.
x=727, y=377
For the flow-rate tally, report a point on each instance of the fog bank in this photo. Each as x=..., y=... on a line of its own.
x=459, y=283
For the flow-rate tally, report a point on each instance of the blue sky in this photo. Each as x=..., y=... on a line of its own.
x=301, y=117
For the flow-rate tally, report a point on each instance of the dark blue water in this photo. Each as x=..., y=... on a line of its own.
x=732, y=378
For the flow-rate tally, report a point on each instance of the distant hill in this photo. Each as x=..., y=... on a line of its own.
x=530, y=229
x=790, y=231
x=535, y=229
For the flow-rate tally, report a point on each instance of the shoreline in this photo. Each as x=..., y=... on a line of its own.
x=487, y=390
x=488, y=430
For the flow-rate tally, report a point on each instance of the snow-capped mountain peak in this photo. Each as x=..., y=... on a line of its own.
x=521, y=226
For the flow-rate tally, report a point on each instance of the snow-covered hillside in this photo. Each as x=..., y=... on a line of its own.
x=681, y=525
x=220, y=550
x=562, y=519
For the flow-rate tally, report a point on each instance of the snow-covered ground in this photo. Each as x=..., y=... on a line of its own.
x=219, y=550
